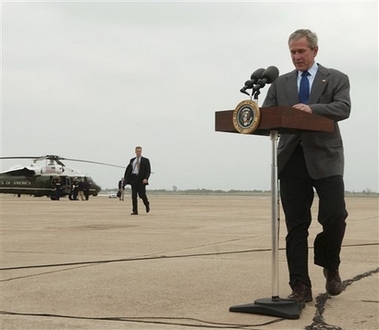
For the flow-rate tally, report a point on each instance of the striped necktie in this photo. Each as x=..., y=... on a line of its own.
x=138, y=164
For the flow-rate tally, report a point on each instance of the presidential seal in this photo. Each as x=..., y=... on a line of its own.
x=246, y=117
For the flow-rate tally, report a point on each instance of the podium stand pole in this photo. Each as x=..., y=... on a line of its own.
x=274, y=306
x=274, y=214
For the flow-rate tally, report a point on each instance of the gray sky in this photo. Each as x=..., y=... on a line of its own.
x=92, y=80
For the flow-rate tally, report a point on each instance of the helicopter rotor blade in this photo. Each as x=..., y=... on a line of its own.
x=18, y=157
x=58, y=160
x=36, y=158
x=92, y=162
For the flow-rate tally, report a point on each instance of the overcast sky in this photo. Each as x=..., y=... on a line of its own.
x=92, y=80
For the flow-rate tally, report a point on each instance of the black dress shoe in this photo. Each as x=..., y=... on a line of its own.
x=147, y=208
x=134, y=213
x=301, y=293
x=333, y=282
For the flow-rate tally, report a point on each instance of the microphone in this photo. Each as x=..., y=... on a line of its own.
x=257, y=74
x=248, y=85
x=268, y=76
x=253, y=79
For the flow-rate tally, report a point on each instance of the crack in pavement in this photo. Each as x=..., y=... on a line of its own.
x=318, y=320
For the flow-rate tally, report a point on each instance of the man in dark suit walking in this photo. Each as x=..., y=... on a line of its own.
x=137, y=174
x=312, y=160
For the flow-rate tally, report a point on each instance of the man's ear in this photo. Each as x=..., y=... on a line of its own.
x=315, y=51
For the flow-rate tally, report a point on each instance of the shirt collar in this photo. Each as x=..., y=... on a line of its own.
x=312, y=70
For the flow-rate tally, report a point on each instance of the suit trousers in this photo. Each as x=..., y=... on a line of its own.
x=297, y=195
x=138, y=189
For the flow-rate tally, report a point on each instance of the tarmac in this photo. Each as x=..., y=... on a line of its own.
x=91, y=265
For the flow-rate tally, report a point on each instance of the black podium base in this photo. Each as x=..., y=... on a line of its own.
x=286, y=308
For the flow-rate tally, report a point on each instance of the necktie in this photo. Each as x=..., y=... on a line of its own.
x=138, y=165
x=304, y=88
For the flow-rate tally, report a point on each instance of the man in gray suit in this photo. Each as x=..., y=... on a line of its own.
x=312, y=160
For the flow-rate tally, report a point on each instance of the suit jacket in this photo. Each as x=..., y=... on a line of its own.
x=329, y=97
x=144, y=170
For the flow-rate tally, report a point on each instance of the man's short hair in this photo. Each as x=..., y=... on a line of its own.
x=311, y=37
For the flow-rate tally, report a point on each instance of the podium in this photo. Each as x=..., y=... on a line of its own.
x=280, y=118
x=274, y=121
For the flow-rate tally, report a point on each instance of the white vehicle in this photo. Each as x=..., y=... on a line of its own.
x=112, y=195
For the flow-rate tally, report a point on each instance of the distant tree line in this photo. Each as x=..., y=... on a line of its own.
x=203, y=191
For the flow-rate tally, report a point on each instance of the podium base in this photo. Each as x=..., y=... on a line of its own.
x=286, y=308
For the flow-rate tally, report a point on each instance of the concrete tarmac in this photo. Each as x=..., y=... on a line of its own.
x=91, y=265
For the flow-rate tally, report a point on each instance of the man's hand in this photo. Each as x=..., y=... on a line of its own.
x=302, y=107
x=144, y=181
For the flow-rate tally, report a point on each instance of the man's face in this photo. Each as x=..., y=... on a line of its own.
x=138, y=152
x=302, y=56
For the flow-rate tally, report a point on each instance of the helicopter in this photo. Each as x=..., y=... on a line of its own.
x=38, y=181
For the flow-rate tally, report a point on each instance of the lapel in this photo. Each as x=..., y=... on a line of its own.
x=319, y=83
x=290, y=87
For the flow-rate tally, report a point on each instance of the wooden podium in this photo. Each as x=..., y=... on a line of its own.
x=281, y=118
x=273, y=121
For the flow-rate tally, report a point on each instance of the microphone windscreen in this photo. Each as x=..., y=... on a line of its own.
x=270, y=74
x=257, y=74
x=249, y=84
